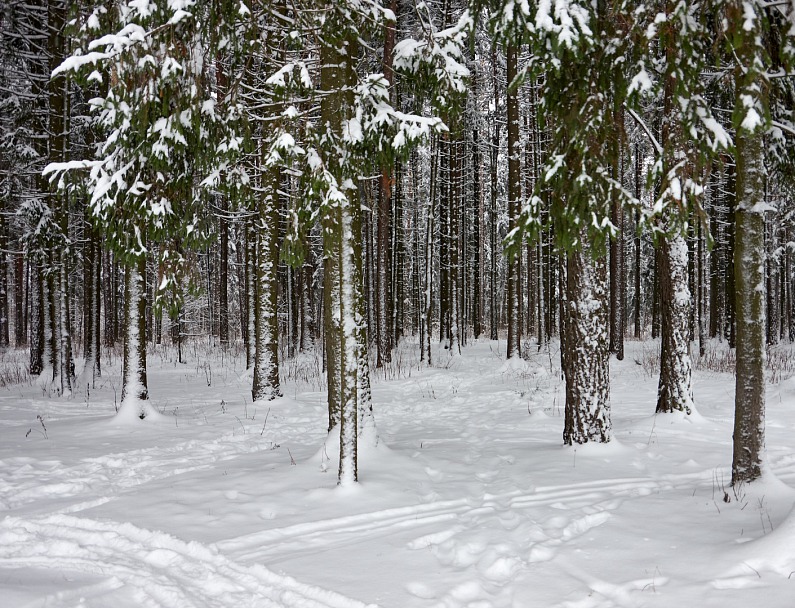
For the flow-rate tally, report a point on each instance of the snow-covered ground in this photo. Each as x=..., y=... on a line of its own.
x=468, y=499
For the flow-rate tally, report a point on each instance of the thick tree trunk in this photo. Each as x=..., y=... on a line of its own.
x=674, y=391
x=585, y=350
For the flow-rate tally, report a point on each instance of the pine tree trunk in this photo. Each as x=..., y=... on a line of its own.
x=426, y=338
x=495, y=146
x=250, y=290
x=617, y=279
x=514, y=199
x=20, y=316
x=477, y=238
x=585, y=350
x=730, y=297
x=223, y=277
x=134, y=390
x=454, y=241
x=674, y=391
x=4, y=267
x=749, y=247
x=92, y=278
x=638, y=194
x=342, y=230
x=383, y=249
x=37, y=320
x=266, y=325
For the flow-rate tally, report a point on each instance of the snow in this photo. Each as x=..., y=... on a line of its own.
x=467, y=499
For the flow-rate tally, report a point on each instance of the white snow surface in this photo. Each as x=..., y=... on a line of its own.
x=467, y=500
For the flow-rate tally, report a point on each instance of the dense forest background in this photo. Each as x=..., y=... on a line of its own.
x=335, y=177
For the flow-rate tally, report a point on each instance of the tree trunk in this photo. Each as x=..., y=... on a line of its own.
x=4, y=267
x=223, y=277
x=134, y=390
x=266, y=324
x=617, y=278
x=514, y=199
x=495, y=146
x=341, y=220
x=250, y=290
x=20, y=316
x=674, y=391
x=749, y=246
x=585, y=350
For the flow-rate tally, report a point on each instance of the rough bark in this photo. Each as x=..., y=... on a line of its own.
x=265, y=385
x=674, y=390
x=585, y=350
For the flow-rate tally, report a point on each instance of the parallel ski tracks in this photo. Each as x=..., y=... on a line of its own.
x=341, y=530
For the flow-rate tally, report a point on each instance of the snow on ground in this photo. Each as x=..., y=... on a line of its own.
x=467, y=500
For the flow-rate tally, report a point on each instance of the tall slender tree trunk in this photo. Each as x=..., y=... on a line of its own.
x=223, y=276
x=637, y=242
x=495, y=146
x=454, y=241
x=747, y=20
x=674, y=390
x=4, y=267
x=20, y=316
x=250, y=290
x=38, y=320
x=617, y=280
x=383, y=248
x=477, y=237
x=342, y=229
x=265, y=383
x=514, y=199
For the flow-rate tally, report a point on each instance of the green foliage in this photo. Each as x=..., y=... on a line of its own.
x=170, y=137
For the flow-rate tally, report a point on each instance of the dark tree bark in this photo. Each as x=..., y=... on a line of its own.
x=617, y=280
x=223, y=276
x=495, y=146
x=20, y=314
x=637, y=243
x=514, y=198
x=4, y=267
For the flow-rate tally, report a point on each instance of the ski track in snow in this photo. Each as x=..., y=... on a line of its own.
x=157, y=569
x=259, y=545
